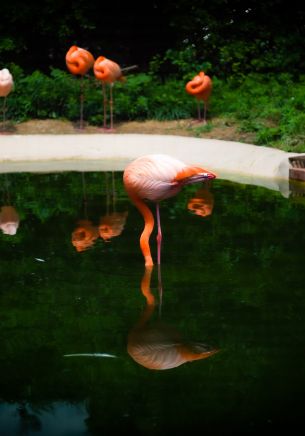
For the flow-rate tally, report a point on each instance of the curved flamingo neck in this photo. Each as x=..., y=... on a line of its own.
x=148, y=228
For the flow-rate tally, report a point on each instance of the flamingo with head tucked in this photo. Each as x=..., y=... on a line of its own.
x=156, y=177
x=79, y=61
x=6, y=86
x=200, y=87
x=108, y=72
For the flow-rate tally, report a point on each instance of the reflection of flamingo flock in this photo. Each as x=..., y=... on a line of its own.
x=110, y=225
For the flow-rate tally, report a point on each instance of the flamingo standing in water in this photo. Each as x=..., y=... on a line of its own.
x=79, y=61
x=6, y=85
x=156, y=177
x=200, y=87
x=108, y=72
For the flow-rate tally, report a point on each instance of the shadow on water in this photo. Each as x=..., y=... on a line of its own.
x=232, y=275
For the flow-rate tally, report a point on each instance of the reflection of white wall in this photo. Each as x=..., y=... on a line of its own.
x=246, y=163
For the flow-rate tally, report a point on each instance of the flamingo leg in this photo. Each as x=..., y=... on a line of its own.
x=204, y=112
x=3, y=112
x=159, y=234
x=160, y=289
x=81, y=117
x=105, y=104
x=111, y=107
x=199, y=110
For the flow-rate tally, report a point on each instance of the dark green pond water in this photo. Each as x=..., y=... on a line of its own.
x=232, y=280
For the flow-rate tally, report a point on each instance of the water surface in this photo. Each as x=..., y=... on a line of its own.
x=72, y=283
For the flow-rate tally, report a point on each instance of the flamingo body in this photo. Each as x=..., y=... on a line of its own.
x=106, y=70
x=157, y=177
x=6, y=82
x=78, y=60
x=200, y=87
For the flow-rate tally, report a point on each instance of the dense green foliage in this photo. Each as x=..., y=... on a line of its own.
x=254, y=52
x=234, y=36
x=271, y=105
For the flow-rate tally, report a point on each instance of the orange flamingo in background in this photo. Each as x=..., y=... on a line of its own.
x=6, y=85
x=157, y=177
x=200, y=87
x=202, y=203
x=157, y=345
x=79, y=61
x=108, y=72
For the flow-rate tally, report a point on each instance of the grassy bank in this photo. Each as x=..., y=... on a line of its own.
x=269, y=109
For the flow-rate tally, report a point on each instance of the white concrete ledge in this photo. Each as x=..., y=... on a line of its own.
x=230, y=160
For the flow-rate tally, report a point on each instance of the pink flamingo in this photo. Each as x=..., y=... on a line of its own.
x=200, y=87
x=6, y=85
x=108, y=72
x=79, y=61
x=157, y=177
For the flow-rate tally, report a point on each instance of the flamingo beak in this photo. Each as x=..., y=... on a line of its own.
x=209, y=176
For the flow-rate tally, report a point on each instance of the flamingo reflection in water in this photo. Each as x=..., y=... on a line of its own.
x=85, y=233
x=9, y=220
x=159, y=346
x=9, y=217
x=202, y=203
x=112, y=224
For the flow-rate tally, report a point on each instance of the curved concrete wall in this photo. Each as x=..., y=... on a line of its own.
x=230, y=160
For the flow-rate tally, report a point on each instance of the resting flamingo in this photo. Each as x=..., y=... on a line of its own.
x=200, y=87
x=156, y=177
x=157, y=345
x=108, y=72
x=6, y=85
x=79, y=61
